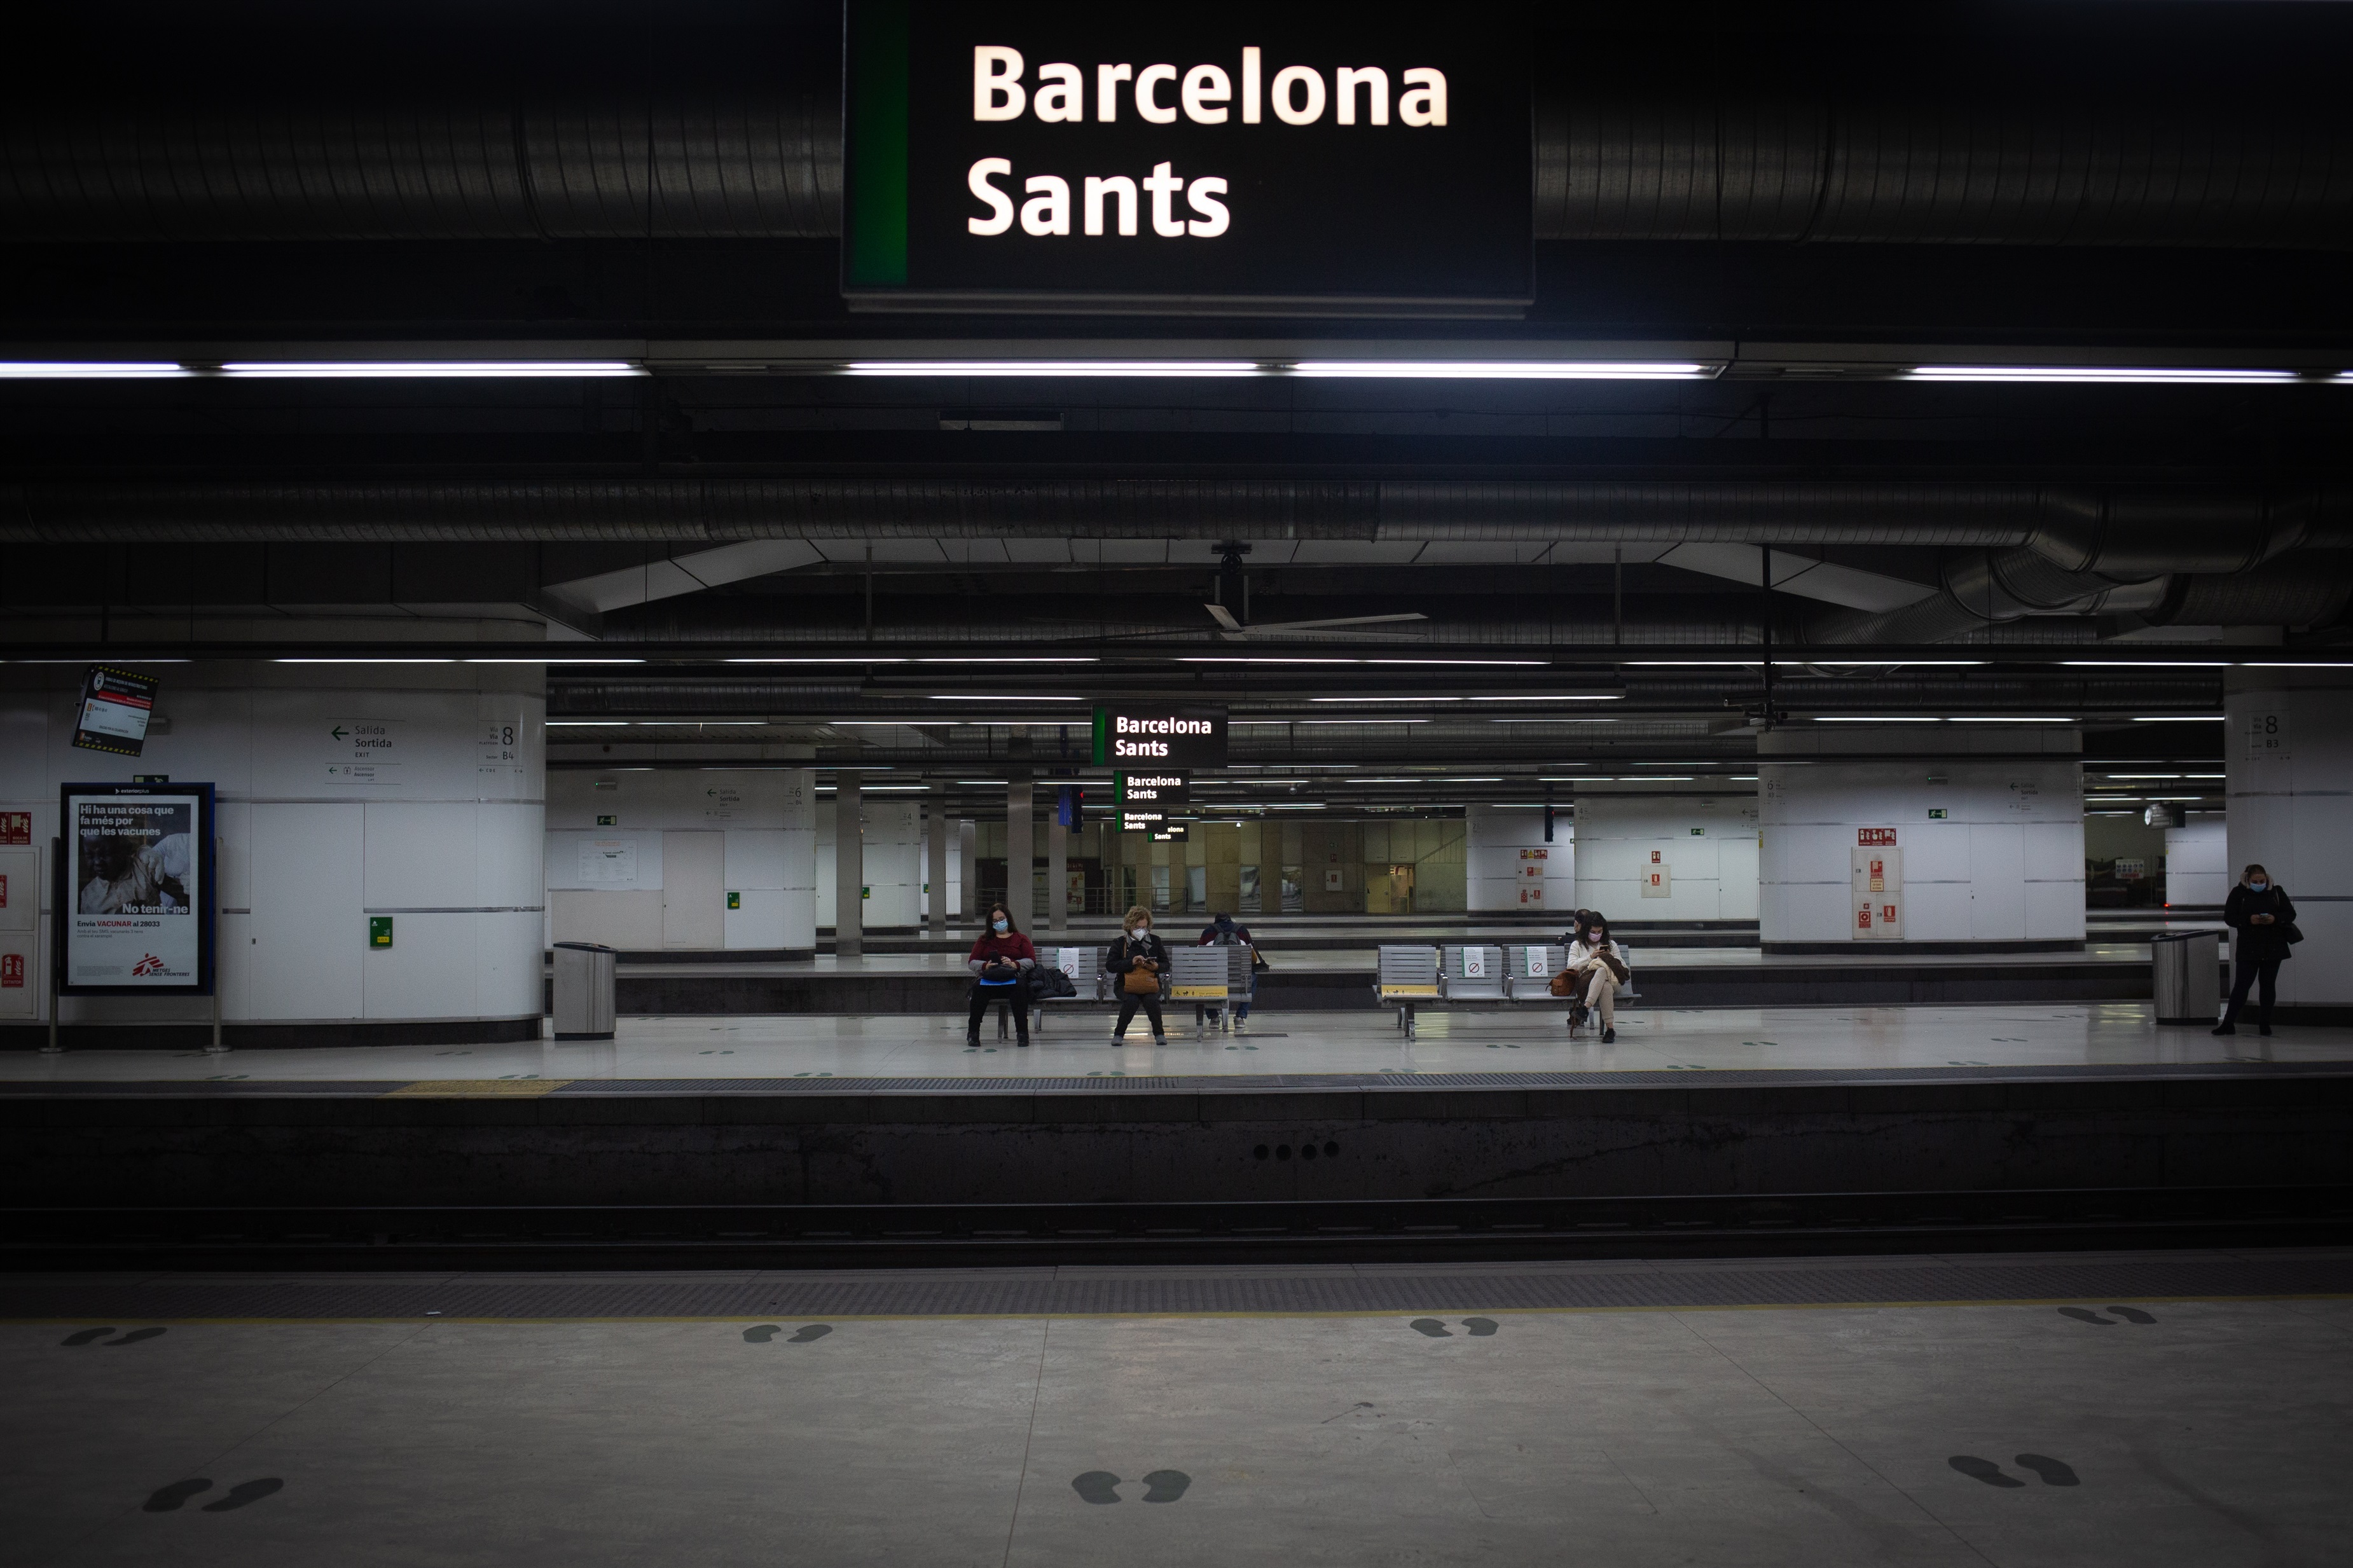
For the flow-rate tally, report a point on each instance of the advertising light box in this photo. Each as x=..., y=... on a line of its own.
x=138, y=893
x=1217, y=158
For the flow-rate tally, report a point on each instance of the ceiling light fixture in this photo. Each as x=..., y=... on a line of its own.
x=1185, y=368
x=867, y=660
x=1506, y=370
x=2180, y=719
x=430, y=370
x=2112, y=374
x=91, y=369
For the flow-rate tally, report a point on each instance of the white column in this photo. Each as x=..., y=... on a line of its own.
x=2288, y=753
x=1020, y=848
x=937, y=828
x=439, y=830
x=967, y=870
x=1507, y=865
x=849, y=867
x=799, y=816
x=1975, y=833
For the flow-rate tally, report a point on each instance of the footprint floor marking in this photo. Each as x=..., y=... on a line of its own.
x=1102, y=1486
x=2053, y=1472
x=2086, y=1315
x=1430, y=1327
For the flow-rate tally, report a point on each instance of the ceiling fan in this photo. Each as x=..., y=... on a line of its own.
x=1232, y=587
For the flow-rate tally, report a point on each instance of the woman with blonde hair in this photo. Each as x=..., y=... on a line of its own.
x=1137, y=962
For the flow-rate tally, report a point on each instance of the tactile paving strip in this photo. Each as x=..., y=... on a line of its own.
x=1046, y=1292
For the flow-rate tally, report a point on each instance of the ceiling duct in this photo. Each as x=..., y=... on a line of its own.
x=2117, y=536
x=1931, y=168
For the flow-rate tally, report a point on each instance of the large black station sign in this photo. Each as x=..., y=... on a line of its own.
x=1214, y=157
x=1137, y=738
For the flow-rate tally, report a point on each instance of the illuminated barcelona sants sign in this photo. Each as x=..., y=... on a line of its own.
x=1131, y=736
x=1218, y=158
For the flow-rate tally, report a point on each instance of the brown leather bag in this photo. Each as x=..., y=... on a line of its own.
x=1140, y=982
x=1563, y=985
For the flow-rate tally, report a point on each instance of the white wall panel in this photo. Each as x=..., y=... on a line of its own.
x=631, y=921
x=755, y=858
x=429, y=971
x=760, y=923
x=2197, y=860
x=420, y=855
x=307, y=934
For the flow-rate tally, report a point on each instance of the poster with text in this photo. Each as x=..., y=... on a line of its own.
x=138, y=914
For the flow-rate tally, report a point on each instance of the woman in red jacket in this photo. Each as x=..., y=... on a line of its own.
x=998, y=962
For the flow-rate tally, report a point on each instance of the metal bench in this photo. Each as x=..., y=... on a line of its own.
x=1084, y=966
x=1405, y=978
x=1472, y=973
x=1203, y=976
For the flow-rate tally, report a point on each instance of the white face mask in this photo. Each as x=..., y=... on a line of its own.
x=1144, y=930
x=2258, y=885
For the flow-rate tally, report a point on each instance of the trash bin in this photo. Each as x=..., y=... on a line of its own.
x=2188, y=985
x=583, y=990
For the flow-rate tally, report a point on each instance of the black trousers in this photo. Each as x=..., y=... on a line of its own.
x=986, y=997
x=1150, y=1002
x=2244, y=975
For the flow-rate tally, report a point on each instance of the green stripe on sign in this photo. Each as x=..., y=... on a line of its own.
x=1103, y=736
x=876, y=252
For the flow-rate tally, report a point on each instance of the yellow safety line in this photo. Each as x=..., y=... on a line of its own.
x=1303, y=1312
x=476, y=1089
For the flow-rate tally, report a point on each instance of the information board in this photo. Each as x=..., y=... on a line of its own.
x=1355, y=160
x=116, y=705
x=137, y=905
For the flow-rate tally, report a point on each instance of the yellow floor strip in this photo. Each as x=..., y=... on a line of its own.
x=477, y=1088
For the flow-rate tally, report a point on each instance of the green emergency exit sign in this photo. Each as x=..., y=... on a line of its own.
x=379, y=931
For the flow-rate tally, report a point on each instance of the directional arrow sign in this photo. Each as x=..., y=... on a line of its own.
x=338, y=731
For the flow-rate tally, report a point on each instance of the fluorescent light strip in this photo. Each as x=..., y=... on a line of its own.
x=1183, y=368
x=1385, y=700
x=429, y=370
x=587, y=723
x=91, y=369
x=1591, y=697
x=2104, y=374
x=1007, y=699
x=1859, y=719
x=2005, y=719
x=2145, y=663
x=1541, y=718
x=558, y=659
x=1504, y=370
x=1872, y=663
x=1359, y=718
x=1058, y=658
x=326, y=660
x=2180, y=719
x=2284, y=664
x=867, y=660
x=1695, y=663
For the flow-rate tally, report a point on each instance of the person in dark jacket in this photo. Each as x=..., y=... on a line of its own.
x=998, y=962
x=1138, y=949
x=1224, y=930
x=2259, y=911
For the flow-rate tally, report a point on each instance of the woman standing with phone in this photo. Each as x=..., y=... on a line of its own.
x=2259, y=911
x=1139, y=958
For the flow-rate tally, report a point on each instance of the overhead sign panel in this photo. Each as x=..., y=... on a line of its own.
x=1221, y=158
x=116, y=705
x=1137, y=736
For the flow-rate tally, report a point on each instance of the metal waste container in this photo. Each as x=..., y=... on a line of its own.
x=583, y=990
x=2188, y=983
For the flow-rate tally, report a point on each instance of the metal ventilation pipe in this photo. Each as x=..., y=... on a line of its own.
x=2117, y=536
x=1796, y=168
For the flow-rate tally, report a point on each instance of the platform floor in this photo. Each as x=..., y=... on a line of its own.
x=2071, y=1411
x=1074, y=1042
